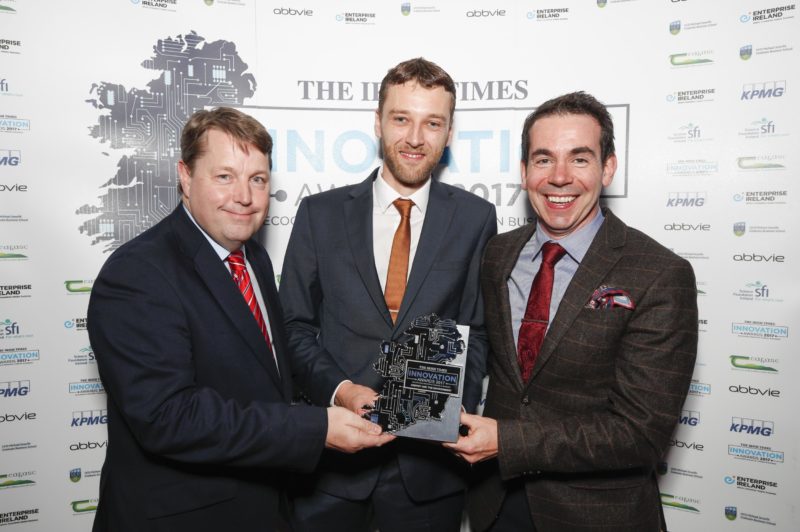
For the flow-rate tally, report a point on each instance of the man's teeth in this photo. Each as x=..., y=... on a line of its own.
x=561, y=199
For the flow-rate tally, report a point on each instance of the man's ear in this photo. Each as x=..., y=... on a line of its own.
x=378, y=132
x=185, y=176
x=609, y=169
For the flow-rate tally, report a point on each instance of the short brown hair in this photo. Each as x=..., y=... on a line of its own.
x=242, y=127
x=574, y=103
x=427, y=73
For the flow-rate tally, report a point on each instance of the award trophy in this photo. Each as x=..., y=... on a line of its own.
x=424, y=380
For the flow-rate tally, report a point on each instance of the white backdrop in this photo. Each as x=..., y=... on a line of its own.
x=93, y=96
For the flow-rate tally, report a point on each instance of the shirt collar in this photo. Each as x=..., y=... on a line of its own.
x=219, y=250
x=576, y=243
x=384, y=194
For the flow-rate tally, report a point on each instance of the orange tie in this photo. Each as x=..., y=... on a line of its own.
x=398, y=261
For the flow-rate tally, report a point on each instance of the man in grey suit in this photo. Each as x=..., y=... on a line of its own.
x=591, y=357
x=339, y=290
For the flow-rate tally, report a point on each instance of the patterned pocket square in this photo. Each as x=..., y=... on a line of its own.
x=607, y=297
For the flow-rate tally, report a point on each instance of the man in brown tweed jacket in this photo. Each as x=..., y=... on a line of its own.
x=574, y=446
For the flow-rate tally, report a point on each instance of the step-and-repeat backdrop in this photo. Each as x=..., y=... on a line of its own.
x=93, y=96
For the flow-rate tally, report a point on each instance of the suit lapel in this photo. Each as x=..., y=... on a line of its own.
x=604, y=252
x=358, y=223
x=219, y=283
x=509, y=258
x=438, y=216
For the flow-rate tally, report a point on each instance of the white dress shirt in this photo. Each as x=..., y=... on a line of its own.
x=386, y=218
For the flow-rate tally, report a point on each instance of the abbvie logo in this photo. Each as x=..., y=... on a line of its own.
x=752, y=390
x=693, y=446
x=757, y=257
x=85, y=445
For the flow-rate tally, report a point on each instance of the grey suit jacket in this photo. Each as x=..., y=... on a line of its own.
x=336, y=316
x=587, y=430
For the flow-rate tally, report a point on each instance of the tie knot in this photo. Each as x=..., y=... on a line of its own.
x=403, y=206
x=236, y=261
x=552, y=253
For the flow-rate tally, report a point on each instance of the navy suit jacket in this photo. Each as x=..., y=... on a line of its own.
x=199, y=417
x=336, y=316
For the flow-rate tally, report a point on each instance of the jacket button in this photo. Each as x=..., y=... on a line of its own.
x=525, y=400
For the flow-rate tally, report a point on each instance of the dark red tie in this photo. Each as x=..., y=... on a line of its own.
x=242, y=279
x=537, y=313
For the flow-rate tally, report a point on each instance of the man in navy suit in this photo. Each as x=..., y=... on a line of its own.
x=196, y=366
x=339, y=306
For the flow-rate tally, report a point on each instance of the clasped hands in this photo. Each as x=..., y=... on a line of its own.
x=354, y=401
x=347, y=430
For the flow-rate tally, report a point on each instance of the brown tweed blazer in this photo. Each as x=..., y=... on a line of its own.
x=587, y=430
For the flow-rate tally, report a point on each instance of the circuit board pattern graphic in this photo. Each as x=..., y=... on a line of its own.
x=192, y=74
x=429, y=342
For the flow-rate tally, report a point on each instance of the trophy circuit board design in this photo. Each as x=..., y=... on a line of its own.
x=421, y=394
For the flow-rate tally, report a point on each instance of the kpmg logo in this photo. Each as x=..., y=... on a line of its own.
x=760, y=329
x=758, y=427
x=14, y=389
x=699, y=388
x=757, y=364
x=756, y=453
x=746, y=52
x=678, y=502
x=84, y=418
x=18, y=356
x=10, y=157
x=689, y=417
x=86, y=387
x=763, y=90
x=675, y=27
x=686, y=199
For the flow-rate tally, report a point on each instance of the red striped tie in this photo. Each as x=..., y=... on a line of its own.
x=242, y=279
